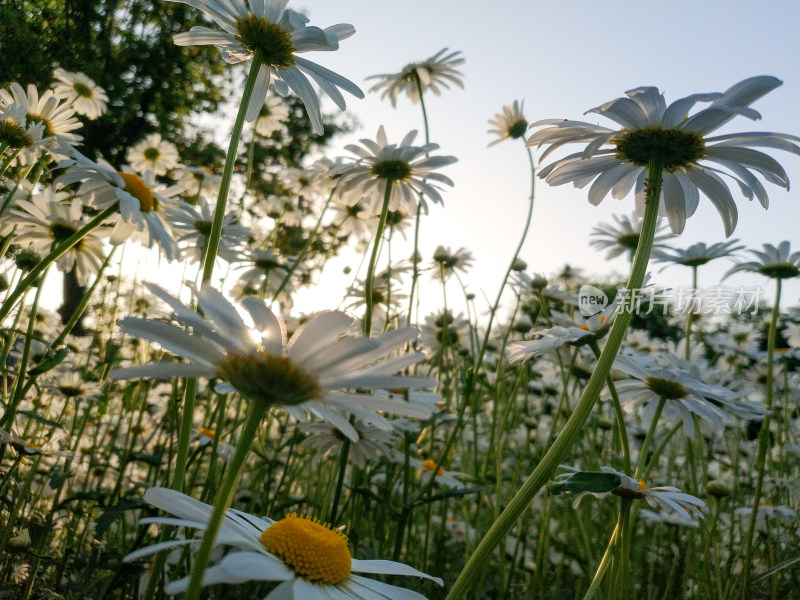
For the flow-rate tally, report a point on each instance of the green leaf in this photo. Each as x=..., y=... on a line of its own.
x=52, y=360
x=112, y=514
x=586, y=481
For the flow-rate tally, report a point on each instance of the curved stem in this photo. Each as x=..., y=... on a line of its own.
x=550, y=461
x=224, y=496
x=648, y=439
x=763, y=439
x=369, y=284
x=227, y=172
x=414, y=262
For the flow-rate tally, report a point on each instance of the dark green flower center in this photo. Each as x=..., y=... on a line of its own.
x=780, y=270
x=82, y=90
x=695, y=262
x=666, y=388
x=61, y=231
x=14, y=135
x=204, y=227
x=70, y=391
x=48, y=126
x=395, y=169
x=679, y=149
x=629, y=240
x=274, y=42
x=517, y=129
x=270, y=379
x=152, y=154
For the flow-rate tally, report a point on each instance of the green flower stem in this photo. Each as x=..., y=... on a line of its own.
x=618, y=413
x=224, y=496
x=605, y=562
x=648, y=439
x=660, y=449
x=415, y=264
x=763, y=440
x=227, y=172
x=54, y=255
x=690, y=319
x=369, y=284
x=299, y=258
x=572, y=430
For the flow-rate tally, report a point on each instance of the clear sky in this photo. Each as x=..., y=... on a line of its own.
x=562, y=58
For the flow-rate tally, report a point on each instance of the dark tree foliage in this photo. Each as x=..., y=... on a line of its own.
x=126, y=47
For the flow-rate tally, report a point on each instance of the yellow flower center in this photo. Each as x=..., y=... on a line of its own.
x=585, y=326
x=137, y=188
x=210, y=433
x=430, y=465
x=313, y=550
x=642, y=485
x=49, y=131
x=15, y=136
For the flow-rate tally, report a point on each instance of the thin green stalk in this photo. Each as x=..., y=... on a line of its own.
x=369, y=284
x=763, y=440
x=618, y=412
x=227, y=172
x=224, y=496
x=56, y=253
x=687, y=337
x=299, y=258
x=572, y=430
x=648, y=439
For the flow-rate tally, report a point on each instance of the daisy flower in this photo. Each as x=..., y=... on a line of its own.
x=611, y=481
x=509, y=124
x=444, y=329
x=192, y=225
x=278, y=34
x=153, y=154
x=696, y=254
x=45, y=220
x=775, y=262
x=56, y=116
x=81, y=93
x=624, y=237
x=650, y=127
x=446, y=262
x=197, y=180
x=310, y=373
x=17, y=133
x=308, y=558
x=272, y=116
x=409, y=168
x=549, y=339
x=684, y=396
x=142, y=201
x=435, y=73
x=373, y=442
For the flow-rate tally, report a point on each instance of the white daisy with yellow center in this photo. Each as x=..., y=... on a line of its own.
x=309, y=559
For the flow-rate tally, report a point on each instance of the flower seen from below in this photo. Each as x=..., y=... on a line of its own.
x=509, y=124
x=683, y=395
x=82, y=94
x=775, y=262
x=434, y=74
x=279, y=35
x=153, y=154
x=447, y=263
x=409, y=168
x=624, y=237
x=308, y=558
x=56, y=115
x=610, y=481
x=616, y=160
x=317, y=371
x=697, y=254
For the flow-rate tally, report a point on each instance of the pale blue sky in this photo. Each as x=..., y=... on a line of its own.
x=563, y=58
